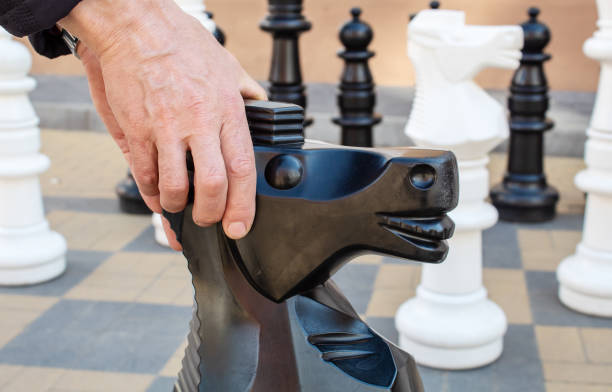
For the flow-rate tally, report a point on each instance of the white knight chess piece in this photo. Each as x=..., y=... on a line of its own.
x=29, y=251
x=451, y=324
x=585, y=278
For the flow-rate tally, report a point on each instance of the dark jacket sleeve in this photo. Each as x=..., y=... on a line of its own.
x=37, y=18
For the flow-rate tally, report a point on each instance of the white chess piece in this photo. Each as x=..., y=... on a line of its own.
x=195, y=8
x=586, y=277
x=451, y=324
x=29, y=251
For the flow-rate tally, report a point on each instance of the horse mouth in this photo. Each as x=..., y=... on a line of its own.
x=428, y=234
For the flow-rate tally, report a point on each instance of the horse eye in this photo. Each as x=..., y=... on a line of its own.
x=284, y=172
x=422, y=176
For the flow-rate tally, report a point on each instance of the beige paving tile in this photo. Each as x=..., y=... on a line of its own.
x=565, y=240
x=567, y=387
x=7, y=373
x=561, y=344
x=140, y=264
x=83, y=164
x=16, y=312
x=34, y=379
x=508, y=289
x=577, y=372
x=185, y=298
x=90, y=381
x=598, y=344
x=394, y=284
x=164, y=291
x=110, y=287
x=173, y=366
x=368, y=259
x=101, y=232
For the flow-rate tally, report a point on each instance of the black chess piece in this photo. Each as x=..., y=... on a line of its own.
x=130, y=199
x=524, y=195
x=357, y=98
x=218, y=33
x=285, y=22
x=267, y=317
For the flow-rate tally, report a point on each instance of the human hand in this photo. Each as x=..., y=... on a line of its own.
x=163, y=85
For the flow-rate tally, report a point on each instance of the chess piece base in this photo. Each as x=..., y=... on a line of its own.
x=451, y=331
x=584, y=282
x=160, y=234
x=130, y=200
x=31, y=257
x=529, y=205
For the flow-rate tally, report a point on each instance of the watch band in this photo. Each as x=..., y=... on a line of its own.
x=71, y=41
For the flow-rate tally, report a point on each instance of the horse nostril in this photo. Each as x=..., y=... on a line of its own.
x=423, y=176
x=284, y=172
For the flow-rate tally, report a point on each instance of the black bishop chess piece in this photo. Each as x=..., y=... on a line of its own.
x=524, y=195
x=357, y=98
x=267, y=317
x=218, y=33
x=285, y=22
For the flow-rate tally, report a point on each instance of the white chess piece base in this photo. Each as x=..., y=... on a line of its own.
x=160, y=234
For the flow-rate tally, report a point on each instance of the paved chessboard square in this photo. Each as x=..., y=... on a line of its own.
x=518, y=369
x=502, y=247
x=145, y=242
x=544, y=249
x=548, y=310
x=356, y=281
x=103, y=336
x=395, y=283
x=162, y=384
x=17, y=311
x=79, y=265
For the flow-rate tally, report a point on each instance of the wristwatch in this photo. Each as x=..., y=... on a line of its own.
x=71, y=41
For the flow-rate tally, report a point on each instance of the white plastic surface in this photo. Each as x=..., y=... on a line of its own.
x=451, y=324
x=585, y=278
x=196, y=8
x=160, y=234
x=29, y=251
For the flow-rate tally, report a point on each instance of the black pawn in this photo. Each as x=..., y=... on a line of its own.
x=130, y=200
x=285, y=22
x=356, y=98
x=524, y=195
x=218, y=33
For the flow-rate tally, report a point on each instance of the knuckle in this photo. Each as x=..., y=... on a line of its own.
x=242, y=168
x=147, y=178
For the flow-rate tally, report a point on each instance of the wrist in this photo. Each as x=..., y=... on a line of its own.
x=102, y=25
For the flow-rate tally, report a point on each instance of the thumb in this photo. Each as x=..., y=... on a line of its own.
x=250, y=89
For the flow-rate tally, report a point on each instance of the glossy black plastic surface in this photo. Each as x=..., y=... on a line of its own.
x=357, y=98
x=285, y=22
x=524, y=195
x=268, y=317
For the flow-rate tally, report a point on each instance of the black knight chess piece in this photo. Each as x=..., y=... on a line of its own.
x=357, y=97
x=218, y=33
x=267, y=316
x=285, y=22
x=524, y=195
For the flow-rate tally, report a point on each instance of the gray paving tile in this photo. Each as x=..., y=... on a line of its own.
x=145, y=242
x=385, y=326
x=79, y=265
x=357, y=283
x=102, y=336
x=518, y=369
x=93, y=205
x=548, y=310
x=500, y=247
x=162, y=384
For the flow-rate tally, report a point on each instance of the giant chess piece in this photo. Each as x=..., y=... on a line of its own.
x=267, y=316
x=357, y=98
x=29, y=251
x=451, y=324
x=285, y=22
x=585, y=278
x=197, y=9
x=218, y=33
x=524, y=195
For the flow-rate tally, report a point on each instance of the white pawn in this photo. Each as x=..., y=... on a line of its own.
x=586, y=277
x=195, y=8
x=451, y=324
x=29, y=251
